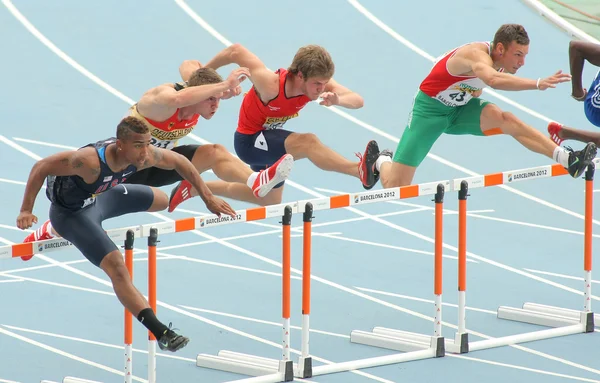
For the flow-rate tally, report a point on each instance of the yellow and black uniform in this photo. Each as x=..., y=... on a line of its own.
x=165, y=135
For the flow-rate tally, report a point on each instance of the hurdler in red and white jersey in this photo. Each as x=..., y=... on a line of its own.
x=447, y=88
x=256, y=116
x=165, y=134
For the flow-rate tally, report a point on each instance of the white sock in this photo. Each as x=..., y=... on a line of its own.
x=381, y=160
x=49, y=229
x=561, y=155
x=251, y=179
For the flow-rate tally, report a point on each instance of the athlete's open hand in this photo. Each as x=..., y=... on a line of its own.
x=556, y=78
x=217, y=206
x=329, y=99
x=26, y=219
x=236, y=77
x=232, y=93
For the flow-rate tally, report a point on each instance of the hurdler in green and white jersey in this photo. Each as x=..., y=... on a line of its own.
x=449, y=89
x=443, y=104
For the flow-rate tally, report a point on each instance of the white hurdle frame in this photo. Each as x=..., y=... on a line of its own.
x=415, y=346
x=564, y=321
x=265, y=370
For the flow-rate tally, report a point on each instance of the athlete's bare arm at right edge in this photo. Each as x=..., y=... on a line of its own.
x=265, y=81
x=579, y=53
x=474, y=60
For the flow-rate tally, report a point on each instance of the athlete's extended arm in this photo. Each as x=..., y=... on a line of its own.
x=188, y=67
x=337, y=94
x=265, y=81
x=579, y=52
x=78, y=162
x=170, y=160
x=480, y=64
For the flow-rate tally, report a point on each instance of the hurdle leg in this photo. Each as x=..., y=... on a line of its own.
x=128, y=315
x=460, y=344
x=152, y=242
x=305, y=361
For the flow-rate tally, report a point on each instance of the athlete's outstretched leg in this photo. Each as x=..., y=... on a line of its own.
x=492, y=117
x=308, y=145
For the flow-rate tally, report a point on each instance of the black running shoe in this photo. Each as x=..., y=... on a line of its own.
x=171, y=341
x=579, y=160
x=366, y=165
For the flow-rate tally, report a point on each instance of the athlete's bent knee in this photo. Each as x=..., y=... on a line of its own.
x=509, y=119
x=113, y=265
x=160, y=201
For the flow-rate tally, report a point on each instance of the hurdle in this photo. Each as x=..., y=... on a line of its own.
x=413, y=344
x=416, y=347
x=268, y=370
x=564, y=321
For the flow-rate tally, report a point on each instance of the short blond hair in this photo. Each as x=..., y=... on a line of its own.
x=312, y=61
x=204, y=76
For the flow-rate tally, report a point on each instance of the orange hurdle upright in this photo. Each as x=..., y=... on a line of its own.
x=305, y=361
x=461, y=338
x=128, y=315
x=152, y=241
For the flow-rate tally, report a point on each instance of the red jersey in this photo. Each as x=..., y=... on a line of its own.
x=165, y=134
x=256, y=116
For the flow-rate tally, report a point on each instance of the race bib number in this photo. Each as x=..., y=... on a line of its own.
x=277, y=122
x=453, y=97
x=163, y=144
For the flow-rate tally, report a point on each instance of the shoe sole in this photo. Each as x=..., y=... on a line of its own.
x=171, y=197
x=281, y=174
x=588, y=155
x=371, y=154
x=181, y=345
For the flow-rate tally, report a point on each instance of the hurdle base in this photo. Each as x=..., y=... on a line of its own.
x=246, y=364
x=399, y=340
x=580, y=322
x=548, y=316
x=574, y=314
x=304, y=369
x=460, y=344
